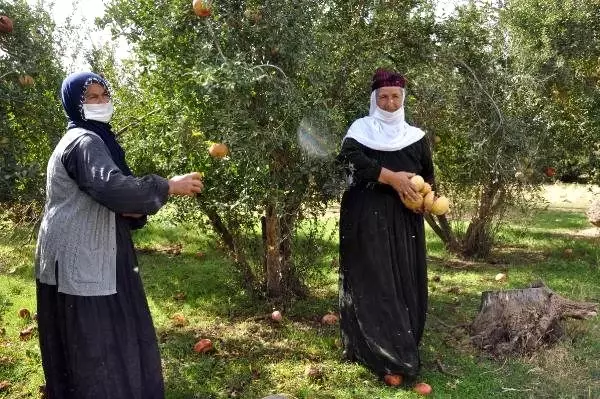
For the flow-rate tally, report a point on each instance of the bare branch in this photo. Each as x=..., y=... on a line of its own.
x=500, y=117
x=137, y=121
x=212, y=32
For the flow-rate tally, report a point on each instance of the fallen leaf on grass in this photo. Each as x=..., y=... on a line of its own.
x=24, y=313
x=179, y=320
x=180, y=296
x=453, y=290
x=313, y=372
x=26, y=334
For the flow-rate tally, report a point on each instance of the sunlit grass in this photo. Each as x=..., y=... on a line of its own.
x=186, y=273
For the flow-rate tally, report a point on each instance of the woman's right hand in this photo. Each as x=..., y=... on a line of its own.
x=188, y=184
x=400, y=181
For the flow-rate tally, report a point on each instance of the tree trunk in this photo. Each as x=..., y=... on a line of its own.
x=522, y=320
x=273, y=258
x=221, y=229
x=278, y=225
x=478, y=239
x=293, y=284
x=280, y=277
x=442, y=228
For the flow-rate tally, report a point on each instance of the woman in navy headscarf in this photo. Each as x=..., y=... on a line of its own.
x=96, y=334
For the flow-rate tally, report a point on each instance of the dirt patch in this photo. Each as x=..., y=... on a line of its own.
x=570, y=196
x=174, y=249
x=512, y=255
x=592, y=232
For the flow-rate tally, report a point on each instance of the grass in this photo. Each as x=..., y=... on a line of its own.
x=255, y=357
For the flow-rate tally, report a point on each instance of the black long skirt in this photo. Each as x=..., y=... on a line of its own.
x=383, y=281
x=100, y=347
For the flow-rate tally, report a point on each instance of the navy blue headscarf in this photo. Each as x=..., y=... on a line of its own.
x=72, y=96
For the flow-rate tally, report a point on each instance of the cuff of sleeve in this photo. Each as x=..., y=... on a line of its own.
x=163, y=189
x=375, y=173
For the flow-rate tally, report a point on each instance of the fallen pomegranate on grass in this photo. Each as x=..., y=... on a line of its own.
x=329, y=319
x=393, y=380
x=422, y=388
x=203, y=346
x=276, y=316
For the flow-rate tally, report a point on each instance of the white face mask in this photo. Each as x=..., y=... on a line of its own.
x=387, y=116
x=98, y=112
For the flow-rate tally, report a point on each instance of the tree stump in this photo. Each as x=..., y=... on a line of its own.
x=522, y=320
x=593, y=212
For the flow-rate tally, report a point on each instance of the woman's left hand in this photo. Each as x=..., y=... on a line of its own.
x=405, y=188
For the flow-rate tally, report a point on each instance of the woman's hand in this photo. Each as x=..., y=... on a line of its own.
x=400, y=181
x=188, y=184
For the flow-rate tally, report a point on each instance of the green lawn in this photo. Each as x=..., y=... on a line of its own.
x=255, y=357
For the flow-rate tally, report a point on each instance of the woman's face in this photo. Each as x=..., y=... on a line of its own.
x=96, y=94
x=390, y=98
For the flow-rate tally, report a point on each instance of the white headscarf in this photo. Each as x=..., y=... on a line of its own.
x=383, y=130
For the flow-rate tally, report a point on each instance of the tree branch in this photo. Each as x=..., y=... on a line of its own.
x=434, y=226
x=212, y=32
x=220, y=228
x=500, y=117
x=137, y=121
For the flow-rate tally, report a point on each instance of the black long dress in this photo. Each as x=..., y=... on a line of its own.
x=383, y=272
x=102, y=347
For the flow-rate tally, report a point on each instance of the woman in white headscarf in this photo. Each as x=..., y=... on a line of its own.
x=383, y=274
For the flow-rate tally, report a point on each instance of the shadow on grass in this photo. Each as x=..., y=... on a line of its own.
x=546, y=247
x=212, y=283
x=228, y=371
x=19, y=354
x=244, y=356
x=248, y=351
x=566, y=219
